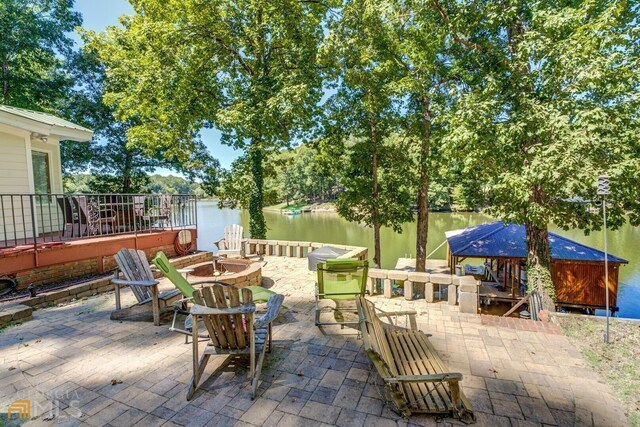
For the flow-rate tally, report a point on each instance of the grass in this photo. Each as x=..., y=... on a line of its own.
x=618, y=362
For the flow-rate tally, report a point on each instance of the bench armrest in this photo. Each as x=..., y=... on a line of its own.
x=122, y=282
x=452, y=376
x=388, y=314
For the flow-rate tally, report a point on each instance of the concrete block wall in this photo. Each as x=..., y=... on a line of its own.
x=295, y=249
x=462, y=290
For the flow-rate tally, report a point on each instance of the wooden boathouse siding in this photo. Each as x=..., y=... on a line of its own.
x=582, y=283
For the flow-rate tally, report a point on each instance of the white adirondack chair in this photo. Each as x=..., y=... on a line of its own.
x=232, y=244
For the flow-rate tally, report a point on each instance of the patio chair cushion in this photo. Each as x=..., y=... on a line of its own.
x=162, y=263
x=260, y=294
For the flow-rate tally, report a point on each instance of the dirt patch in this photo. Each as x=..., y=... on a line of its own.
x=618, y=362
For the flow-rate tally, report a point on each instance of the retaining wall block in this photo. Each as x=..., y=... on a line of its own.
x=468, y=302
x=452, y=294
x=55, y=296
x=428, y=292
x=418, y=277
x=470, y=287
x=408, y=290
x=397, y=275
x=377, y=273
x=371, y=285
x=440, y=279
x=388, y=288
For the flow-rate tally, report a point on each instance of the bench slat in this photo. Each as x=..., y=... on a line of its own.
x=413, y=392
x=429, y=366
x=429, y=392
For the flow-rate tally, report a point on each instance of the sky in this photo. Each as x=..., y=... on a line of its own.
x=99, y=14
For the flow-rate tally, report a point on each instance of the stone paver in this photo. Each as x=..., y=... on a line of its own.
x=79, y=367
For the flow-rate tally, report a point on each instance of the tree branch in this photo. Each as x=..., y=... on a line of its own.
x=457, y=37
x=235, y=53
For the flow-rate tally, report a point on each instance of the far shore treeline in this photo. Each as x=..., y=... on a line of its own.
x=381, y=105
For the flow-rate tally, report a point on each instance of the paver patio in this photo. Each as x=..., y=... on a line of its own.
x=80, y=368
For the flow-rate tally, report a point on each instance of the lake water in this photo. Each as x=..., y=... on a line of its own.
x=330, y=228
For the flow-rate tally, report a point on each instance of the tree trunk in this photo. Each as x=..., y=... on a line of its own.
x=5, y=82
x=539, y=264
x=257, y=225
x=422, y=222
x=376, y=245
x=374, y=208
x=126, y=173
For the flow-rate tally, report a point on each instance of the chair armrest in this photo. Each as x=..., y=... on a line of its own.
x=453, y=376
x=221, y=241
x=212, y=282
x=273, y=308
x=182, y=300
x=201, y=310
x=147, y=283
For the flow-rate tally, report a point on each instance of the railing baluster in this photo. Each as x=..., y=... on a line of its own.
x=13, y=218
x=32, y=199
x=24, y=222
x=4, y=221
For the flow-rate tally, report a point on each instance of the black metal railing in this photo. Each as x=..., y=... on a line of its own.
x=32, y=219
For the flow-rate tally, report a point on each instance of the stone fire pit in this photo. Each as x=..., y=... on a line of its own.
x=238, y=272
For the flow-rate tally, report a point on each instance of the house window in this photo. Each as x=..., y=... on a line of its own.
x=41, y=175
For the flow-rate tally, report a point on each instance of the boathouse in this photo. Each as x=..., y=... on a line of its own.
x=577, y=269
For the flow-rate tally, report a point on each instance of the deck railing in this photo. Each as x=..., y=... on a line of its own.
x=36, y=219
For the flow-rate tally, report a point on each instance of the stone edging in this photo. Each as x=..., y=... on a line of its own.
x=295, y=249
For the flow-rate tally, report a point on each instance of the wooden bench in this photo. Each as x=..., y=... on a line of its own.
x=415, y=376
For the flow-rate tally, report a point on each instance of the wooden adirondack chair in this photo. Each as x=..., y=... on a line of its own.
x=139, y=277
x=187, y=289
x=232, y=243
x=228, y=313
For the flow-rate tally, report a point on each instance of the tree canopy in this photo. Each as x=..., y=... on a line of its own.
x=34, y=47
x=549, y=100
x=246, y=67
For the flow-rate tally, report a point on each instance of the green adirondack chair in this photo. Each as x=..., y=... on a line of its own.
x=340, y=280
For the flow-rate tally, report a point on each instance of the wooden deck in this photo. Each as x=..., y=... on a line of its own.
x=88, y=255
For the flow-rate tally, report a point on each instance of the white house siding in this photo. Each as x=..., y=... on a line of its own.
x=14, y=175
x=14, y=179
x=16, y=222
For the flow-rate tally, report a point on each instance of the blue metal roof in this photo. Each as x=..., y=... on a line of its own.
x=497, y=239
